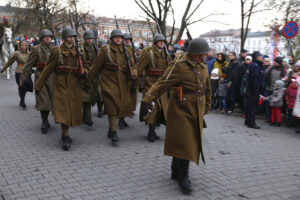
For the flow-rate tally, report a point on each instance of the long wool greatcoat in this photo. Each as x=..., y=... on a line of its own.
x=90, y=94
x=67, y=94
x=40, y=54
x=146, y=62
x=115, y=88
x=185, y=118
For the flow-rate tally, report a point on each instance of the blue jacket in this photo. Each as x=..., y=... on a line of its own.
x=210, y=63
x=256, y=82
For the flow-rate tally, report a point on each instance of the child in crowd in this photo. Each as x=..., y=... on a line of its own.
x=290, y=98
x=214, y=83
x=276, y=102
x=222, y=93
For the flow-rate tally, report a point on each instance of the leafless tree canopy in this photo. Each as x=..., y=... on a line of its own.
x=248, y=9
x=161, y=9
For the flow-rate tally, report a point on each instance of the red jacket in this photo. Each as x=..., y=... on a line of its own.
x=290, y=95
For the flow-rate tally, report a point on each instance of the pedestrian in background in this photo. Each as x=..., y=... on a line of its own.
x=290, y=98
x=221, y=63
x=276, y=102
x=222, y=93
x=214, y=83
x=210, y=60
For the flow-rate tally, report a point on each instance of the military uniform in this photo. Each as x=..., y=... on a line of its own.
x=90, y=95
x=38, y=58
x=20, y=57
x=186, y=110
x=153, y=61
x=111, y=63
x=67, y=95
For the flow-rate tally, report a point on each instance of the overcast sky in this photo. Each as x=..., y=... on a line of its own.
x=231, y=9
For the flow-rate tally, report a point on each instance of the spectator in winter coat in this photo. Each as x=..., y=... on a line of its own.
x=234, y=79
x=290, y=98
x=295, y=71
x=210, y=60
x=214, y=83
x=272, y=73
x=221, y=63
x=222, y=93
x=276, y=102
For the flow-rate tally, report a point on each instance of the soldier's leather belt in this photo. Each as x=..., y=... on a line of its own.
x=155, y=72
x=67, y=69
x=40, y=65
x=192, y=92
x=115, y=67
x=20, y=65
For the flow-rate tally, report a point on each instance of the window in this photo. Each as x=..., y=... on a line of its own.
x=144, y=33
x=137, y=33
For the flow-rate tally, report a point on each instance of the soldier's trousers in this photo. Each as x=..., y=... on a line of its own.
x=27, y=86
x=112, y=120
x=64, y=130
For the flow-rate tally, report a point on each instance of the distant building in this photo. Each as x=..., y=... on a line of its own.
x=229, y=40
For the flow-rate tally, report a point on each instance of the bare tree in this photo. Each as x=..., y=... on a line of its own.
x=160, y=9
x=248, y=9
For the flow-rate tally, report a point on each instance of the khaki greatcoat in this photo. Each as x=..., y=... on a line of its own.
x=67, y=94
x=159, y=111
x=115, y=89
x=185, y=118
x=40, y=54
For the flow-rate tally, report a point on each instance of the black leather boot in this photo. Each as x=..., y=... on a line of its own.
x=151, y=133
x=122, y=123
x=183, y=179
x=45, y=123
x=67, y=141
x=174, y=169
x=114, y=137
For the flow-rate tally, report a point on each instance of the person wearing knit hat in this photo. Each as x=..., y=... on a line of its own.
x=272, y=73
x=276, y=102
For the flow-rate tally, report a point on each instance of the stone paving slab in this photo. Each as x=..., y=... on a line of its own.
x=241, y=163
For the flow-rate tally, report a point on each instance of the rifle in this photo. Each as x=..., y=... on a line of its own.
x=54, y=32
x=188, y=34
x=133, y=76
x=94, y=44
x=166, y=50
x=76, y=44
x=133, y=47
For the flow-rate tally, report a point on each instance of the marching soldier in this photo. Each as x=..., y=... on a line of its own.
x=112, y=63
x=133, y=84
x=20, y=57
x=67, y=94
x=153, y=61
x=38, y=58
x=187, y=107
x=89, y=94
x=4, y=25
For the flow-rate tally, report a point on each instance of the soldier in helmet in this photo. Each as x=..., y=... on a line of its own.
x=133, y=83
x=90, y=95
x=153, y=61
x=112, y=64
x=187, y=107
x=38, y=58
x=4, y=25
x=67, y=94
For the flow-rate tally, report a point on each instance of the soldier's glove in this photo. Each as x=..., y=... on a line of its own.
x=141, y=90
x=83, y=75
x=132, y=90
x=145, y=108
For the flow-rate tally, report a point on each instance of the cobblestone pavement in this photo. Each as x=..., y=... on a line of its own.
x=241, y=163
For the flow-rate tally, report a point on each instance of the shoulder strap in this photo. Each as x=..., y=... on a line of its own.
x=39, y=53
x=61, y=61
x=196, y=72
x=152, y=58
x=108, y=53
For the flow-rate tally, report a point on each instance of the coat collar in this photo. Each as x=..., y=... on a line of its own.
x=116, y=47
x=157, y=52
x=66, y=51
x=193, y=63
